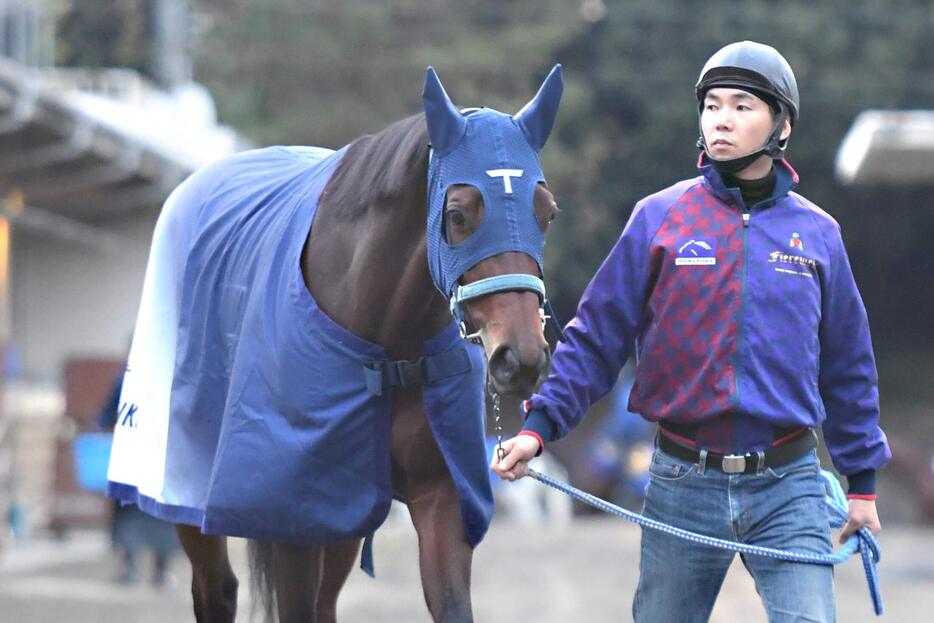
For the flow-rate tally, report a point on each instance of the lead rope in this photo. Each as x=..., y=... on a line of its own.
x=863, y=541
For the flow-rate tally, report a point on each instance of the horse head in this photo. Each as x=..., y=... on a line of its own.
x=488, y=210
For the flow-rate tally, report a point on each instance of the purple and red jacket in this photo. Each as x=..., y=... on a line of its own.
x=744, y=322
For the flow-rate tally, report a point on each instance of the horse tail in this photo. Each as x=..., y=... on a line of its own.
x=263, y=577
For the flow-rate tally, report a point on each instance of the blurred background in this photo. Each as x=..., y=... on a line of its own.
x=106, y=105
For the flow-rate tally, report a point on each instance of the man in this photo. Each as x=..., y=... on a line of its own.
x=737, y=297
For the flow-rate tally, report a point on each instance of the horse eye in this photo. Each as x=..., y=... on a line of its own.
x=457, y=218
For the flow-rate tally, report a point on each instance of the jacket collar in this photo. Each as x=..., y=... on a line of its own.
x=786, y=179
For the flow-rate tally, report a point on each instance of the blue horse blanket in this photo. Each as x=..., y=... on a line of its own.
x=245, y=409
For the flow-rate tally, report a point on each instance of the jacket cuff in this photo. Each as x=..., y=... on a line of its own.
x=862, y=484
x=537, y=422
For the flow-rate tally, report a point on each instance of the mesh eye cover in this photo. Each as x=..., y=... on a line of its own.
x=495, y=157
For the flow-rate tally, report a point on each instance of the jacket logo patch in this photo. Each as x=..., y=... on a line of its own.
x=695, y=252
x=795, y=242
x=793, y=264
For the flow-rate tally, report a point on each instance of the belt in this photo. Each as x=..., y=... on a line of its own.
x=748, y=463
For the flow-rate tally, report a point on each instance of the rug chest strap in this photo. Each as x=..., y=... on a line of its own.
x=381, y=375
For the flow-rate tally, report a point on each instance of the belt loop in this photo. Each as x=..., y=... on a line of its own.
x=701, y=461
x=760, y=462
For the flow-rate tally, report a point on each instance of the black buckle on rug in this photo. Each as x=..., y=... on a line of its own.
x=381, y=375
x=385, y=374
x=405, y=373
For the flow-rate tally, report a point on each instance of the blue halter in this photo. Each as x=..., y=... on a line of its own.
x=497, y=154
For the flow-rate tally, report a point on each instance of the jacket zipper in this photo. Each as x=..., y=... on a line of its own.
x=742, y=303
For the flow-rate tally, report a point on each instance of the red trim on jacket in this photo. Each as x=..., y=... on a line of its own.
x=794, y=174
x=684, y=440
x=782, y=440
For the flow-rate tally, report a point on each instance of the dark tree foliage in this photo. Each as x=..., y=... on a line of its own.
x=324, y=71
x=106, y=34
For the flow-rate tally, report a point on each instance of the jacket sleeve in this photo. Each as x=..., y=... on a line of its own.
x=848, y=381
x=600, y=337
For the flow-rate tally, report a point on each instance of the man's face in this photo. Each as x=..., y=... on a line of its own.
x=736, y=123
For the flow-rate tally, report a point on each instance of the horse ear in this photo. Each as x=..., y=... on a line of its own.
x=446, y=125
x=537, y=118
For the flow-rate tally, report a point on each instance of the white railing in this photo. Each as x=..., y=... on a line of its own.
x=27, y=32
x=125, y=85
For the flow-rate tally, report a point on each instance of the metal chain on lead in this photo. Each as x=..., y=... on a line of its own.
x=497, y=424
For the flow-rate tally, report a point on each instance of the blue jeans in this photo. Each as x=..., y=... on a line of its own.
x=782, y=507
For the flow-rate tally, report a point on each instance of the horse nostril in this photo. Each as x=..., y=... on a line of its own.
x=504, y=364
x=517, y=376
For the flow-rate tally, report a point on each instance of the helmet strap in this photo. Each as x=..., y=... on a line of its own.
x=775, y=146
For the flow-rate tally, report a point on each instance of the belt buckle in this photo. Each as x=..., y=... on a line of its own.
x=734, y=463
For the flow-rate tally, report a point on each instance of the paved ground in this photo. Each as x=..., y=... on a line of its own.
x=582, y=572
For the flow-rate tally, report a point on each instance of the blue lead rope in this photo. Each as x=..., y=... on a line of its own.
x=836, y=507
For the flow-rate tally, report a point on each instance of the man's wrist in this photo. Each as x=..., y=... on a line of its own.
x=532, y=433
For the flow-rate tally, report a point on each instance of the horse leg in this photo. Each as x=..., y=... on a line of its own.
x=298, y=578
x=422, y=479
x=339, y=561
x=445, y=556
x=213, y=583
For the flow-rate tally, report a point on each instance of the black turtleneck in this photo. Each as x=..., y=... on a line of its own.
x=753, y=191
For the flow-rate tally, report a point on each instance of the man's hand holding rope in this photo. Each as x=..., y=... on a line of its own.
x=860, y=513
x=519, y=451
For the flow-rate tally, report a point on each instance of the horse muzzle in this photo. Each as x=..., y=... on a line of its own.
x=518, y=373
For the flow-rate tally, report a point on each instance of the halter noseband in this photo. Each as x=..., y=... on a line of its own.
x=501, y=283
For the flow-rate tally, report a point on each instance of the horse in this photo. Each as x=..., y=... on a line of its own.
x=417, y=254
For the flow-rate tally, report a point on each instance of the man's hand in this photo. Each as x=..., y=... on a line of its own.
x=519, y=451
x=861, y=513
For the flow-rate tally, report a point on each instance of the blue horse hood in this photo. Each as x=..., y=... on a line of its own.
x=497, y=154
x=495, y=157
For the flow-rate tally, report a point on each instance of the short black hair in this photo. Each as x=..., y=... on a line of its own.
x=768, y=98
